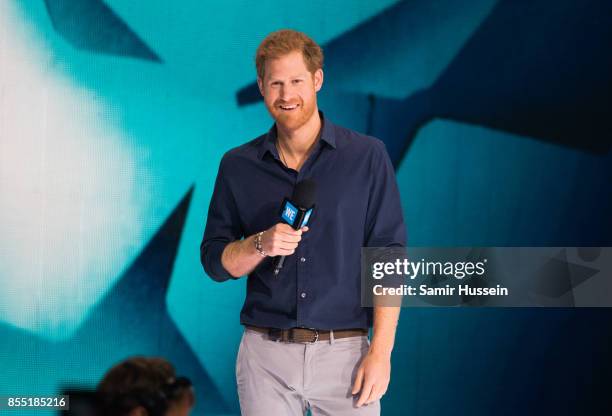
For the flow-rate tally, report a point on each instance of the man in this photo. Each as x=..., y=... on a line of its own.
x=305, y=344
x=144, y=386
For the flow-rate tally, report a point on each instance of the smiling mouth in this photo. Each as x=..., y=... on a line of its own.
x=288, y=107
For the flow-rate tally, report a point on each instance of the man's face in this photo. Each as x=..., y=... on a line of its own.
x=290, y=90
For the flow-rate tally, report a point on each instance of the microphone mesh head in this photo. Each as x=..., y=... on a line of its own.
x=304, y=193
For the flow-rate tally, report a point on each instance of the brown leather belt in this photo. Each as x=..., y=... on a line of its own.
x=306, y=335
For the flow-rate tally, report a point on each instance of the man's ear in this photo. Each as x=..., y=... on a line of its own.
x=260, y=85
x=318, y=79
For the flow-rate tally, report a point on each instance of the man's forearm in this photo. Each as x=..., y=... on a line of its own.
x=240, y=257
x=385, y=325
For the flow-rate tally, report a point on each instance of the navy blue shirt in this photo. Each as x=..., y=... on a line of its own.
x=357, y=204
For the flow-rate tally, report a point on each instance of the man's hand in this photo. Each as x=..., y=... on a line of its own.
x=281, y=239
x=240, y=257
x=372, y=377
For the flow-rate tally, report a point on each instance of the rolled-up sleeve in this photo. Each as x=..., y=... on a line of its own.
x=222, y=226
x=384, y=222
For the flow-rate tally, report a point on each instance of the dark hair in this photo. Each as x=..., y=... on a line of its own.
x=141, y=381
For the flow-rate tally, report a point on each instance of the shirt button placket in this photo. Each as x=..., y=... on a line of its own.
x=301, y=285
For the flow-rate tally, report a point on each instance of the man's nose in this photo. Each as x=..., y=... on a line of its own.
x=286, y=92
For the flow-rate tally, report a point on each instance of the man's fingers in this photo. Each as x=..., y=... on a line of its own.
x=286, y=229
x=375, y=394
x=365, y=393
x=282, y=239
x=289, y=238
x=358, y=381
x=285, y=245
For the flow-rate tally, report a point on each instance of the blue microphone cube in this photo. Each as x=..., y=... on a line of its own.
x=296, y=217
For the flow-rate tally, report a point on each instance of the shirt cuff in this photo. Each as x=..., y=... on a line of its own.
x=212, y=261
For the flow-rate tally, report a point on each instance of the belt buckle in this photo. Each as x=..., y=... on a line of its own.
x=316, y=335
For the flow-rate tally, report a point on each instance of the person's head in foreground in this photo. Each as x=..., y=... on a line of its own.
x=145, y=386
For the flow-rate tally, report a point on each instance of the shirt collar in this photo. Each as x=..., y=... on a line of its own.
x=327, y=135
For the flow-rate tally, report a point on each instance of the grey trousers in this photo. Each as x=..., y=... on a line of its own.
x=282, y=378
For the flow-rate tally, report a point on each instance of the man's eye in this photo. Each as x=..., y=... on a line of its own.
x=297, y=81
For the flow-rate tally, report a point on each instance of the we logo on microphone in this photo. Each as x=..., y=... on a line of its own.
x=293, y=215
x=289, y=213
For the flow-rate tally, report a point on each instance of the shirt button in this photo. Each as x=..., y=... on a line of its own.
x=303, y=259
x=303, y=295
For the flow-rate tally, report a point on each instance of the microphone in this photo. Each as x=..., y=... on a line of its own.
x=297, y=211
